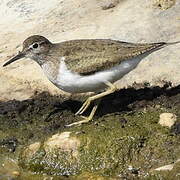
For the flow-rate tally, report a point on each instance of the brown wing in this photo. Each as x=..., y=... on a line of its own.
x=89, y=56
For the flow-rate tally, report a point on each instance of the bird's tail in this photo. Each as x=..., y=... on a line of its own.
x=171, y=43
x=161, y=45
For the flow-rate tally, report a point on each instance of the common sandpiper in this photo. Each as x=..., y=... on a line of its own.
x=86, y=65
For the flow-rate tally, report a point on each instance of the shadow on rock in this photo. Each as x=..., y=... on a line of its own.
x=125, y=100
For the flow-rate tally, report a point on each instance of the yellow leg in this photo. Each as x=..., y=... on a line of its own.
x=86, y=119
x=86, y=104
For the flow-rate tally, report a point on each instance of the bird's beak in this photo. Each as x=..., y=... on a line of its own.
x=15, y=58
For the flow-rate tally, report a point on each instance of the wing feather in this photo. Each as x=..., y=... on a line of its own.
x=89, y=56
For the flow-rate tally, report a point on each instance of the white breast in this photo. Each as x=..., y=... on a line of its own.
x=48, y=71
x=75, y=83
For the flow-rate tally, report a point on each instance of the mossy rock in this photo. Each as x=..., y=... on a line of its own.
x=109, y=149
x=124, y=140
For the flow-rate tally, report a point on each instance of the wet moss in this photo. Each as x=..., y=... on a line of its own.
x=108, y=149
x=124, y=139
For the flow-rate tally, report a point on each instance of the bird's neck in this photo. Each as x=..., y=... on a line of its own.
x=50, y=70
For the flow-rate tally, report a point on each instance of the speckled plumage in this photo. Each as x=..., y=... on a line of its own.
x=89, y=56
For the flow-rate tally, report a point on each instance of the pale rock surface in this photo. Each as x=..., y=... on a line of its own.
x=168, y=167
x=62, y=142
x=167, y=119
x=31, y=149
x=60, y=20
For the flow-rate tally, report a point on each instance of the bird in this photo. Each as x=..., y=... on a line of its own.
x=86, y=65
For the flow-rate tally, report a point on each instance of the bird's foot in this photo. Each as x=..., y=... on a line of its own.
x=85, y=120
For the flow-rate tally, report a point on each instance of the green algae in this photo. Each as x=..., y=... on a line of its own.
x=108, y=149
x=112, y=149
x=125, y=133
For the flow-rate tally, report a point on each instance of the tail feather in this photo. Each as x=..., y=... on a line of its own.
x=160, y=45
x=171, y=43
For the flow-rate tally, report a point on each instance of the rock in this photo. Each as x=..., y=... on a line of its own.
x=168, y=167
x=62, y=142
x=16, y=173
x=164, y=4
x=134, y=21
x=133, y=170
x=170, y=171
x=108, y=4
x=31, y=149
x=58, y=142
x=167, y=119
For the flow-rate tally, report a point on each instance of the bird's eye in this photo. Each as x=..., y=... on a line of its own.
x=35, y=45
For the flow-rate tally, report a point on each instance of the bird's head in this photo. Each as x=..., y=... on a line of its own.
x=34, y=47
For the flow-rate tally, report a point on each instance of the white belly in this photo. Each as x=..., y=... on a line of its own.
x=75, y=83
